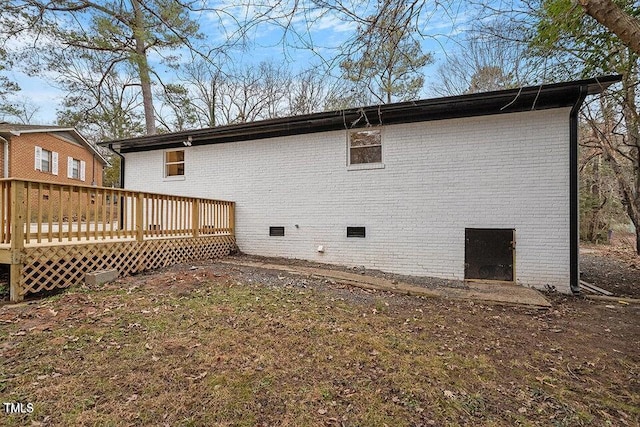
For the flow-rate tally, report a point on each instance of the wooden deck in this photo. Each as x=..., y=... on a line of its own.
x=53, y=234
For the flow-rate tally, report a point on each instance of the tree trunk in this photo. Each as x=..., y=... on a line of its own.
x=607, y=13
x=632, y=124
x=630, y=195
x=212, y=107
x=143, y=68
x=629, y=199
x=592, y=234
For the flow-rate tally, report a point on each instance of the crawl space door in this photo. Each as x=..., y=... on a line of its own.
x=489, y=254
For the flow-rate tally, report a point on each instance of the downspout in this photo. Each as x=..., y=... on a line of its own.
x=574, y=195
x=121, y=165
x=5, y=165
x=93, y=171
x=121, y=183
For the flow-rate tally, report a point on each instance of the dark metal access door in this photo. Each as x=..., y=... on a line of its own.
x=489, y=253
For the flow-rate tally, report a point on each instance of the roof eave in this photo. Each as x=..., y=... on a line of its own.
x=555, y=95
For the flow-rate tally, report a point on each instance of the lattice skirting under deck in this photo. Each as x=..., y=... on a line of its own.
x=53, y=267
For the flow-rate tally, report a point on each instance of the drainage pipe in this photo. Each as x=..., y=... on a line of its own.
x=574, y=211
x=5, y=163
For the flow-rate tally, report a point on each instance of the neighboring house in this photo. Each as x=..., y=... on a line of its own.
x=49, y=153
x=478, y=187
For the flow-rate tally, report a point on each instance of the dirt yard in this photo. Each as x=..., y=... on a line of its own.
x=613, y=267
x=221, y=345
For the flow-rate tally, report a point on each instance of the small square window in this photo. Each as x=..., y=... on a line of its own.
x=276, y=231
x=365, y=146
x=356, y=232
x=174, y=163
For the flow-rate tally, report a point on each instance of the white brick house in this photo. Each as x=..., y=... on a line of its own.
x=480, y=186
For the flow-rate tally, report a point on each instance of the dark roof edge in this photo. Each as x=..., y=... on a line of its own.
x=555, y=95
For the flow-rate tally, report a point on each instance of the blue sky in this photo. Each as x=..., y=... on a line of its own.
x=326, y=32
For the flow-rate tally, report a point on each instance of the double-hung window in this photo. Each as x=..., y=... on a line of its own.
x=365, y=146
x=46, y=161
x=174, y=163
x=76, y=169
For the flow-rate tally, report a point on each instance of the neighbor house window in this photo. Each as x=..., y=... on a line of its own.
x=174, y=163
x=365, y=146
x=75, y=169
x=46, y=161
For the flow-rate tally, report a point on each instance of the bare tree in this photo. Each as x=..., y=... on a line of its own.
x=253, y=93
x=484, y=62
x=308, y=92
x=236, y=95
x=614, y=136
x=204, y=80
x=18, y=110
x=240, y=94
x=600, y=201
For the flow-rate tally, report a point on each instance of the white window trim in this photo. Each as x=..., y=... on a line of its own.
x=365, y=166
x=38, y=160
x=164, y=166
x=70, y=167
x=81, y=169
x=54, y=163
x=174, y=178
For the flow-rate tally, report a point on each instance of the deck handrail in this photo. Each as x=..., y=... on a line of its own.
x=33, y=211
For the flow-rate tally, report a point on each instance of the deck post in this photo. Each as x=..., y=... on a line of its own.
x=195, y=217
x=232, y=218
x=18, y=205
x=139, y=217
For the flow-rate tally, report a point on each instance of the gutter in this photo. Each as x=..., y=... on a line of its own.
x=557, y=95
x=574, y=195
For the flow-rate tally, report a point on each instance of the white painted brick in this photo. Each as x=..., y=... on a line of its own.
x=505, y=171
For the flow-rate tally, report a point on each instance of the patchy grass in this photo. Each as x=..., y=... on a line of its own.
x=220, y=346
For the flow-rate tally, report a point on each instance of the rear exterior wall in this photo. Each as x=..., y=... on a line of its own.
x=439, y=177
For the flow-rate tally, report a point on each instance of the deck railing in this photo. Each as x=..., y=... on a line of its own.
x=43, y=212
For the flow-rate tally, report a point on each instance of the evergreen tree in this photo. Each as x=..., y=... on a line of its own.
x=120, y=33
x=386, y=59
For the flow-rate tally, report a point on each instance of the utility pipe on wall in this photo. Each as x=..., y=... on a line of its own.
x=5, y=165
